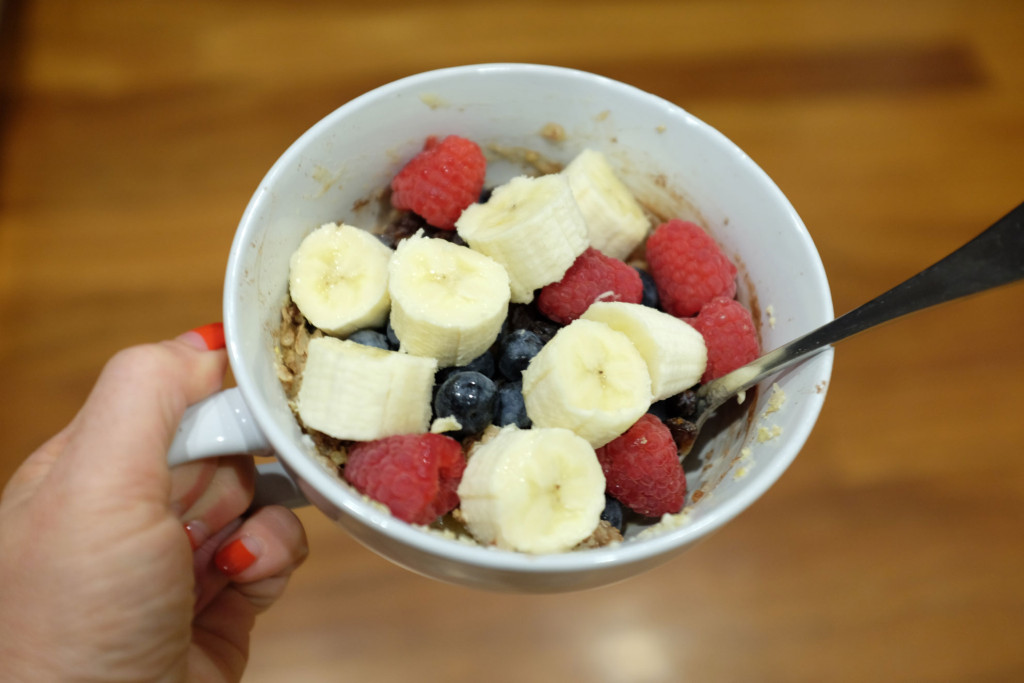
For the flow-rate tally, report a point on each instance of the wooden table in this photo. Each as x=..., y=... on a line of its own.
x=133, y=134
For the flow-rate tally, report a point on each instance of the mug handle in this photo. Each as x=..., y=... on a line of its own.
x=222, y=424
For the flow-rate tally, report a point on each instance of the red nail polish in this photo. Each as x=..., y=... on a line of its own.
x=234, y=558
x=213, y=335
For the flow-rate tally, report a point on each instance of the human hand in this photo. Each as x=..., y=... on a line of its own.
x=98, y=580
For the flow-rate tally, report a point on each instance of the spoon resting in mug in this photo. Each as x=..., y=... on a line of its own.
x=992, y=259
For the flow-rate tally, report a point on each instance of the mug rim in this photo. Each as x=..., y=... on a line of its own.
x=469, y=553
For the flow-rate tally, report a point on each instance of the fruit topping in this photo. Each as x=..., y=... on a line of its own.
x=616, y=223
x=415, y=475
x=689, y=267
x=374, y=338
x=728, y=331
x=352, y=391
x=683, y=404
x=484, y=364
x=532, y=226
x=447, y=302
x=441, y=181
x=511, y=408
x=613, y=513
x=674, y=352
x=529, y=317
x=470, y=398
x=338, y=277
x=532, y=490
x=518, y=348
x=650, y=291
x=592, y=277
x=642, y=469
x=589, y=378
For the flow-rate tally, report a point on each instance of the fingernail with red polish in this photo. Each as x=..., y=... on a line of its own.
x=209, y=337
x=197, y=533
x=237, y=556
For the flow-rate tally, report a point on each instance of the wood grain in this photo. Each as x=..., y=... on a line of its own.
x=132, y=134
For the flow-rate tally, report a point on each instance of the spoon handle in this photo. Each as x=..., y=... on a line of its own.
x=993, y=258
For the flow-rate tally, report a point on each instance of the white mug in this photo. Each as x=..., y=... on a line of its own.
x=675, y=164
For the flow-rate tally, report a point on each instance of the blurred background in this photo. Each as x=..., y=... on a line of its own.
x=133, y=133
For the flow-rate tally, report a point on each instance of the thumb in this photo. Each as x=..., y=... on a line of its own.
x=126, y=425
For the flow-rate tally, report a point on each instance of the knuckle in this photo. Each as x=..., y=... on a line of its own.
x=148, y=360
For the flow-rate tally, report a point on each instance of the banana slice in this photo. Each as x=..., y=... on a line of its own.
x=589, y=378
x=674, y=351
x=362, y=393
x=531, y=226
x=532, y=490
x=447, y=301
x=339, y=279
x=616, y=223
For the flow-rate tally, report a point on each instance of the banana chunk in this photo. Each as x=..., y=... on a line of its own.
x=616, y=223
x=590, y=379
x=339, y=279
x=362, y=393
x=532, y=490
x=448, y=301
x=675, y=352
x=531, y=226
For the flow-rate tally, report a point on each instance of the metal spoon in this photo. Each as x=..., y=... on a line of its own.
x=993, y=258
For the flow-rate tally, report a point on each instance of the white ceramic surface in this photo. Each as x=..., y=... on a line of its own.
x=673, y=161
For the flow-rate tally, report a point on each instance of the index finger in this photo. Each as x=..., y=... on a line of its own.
x=117, y=446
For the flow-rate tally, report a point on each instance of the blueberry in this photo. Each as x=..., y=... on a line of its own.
x=370, y=338
x=470, y=398
x=392, y=337
x=484, y=364
x=528, y=317
x=517, y=350
x=511, y=407
x=683, y=404
x=613, y=513
x=650, y=295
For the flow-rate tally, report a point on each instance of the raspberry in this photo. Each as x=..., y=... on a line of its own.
x=441, y=181
x=415, y=475
x=642, y=469
x=592, y=277
x=688, y=267
x=728, y=332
